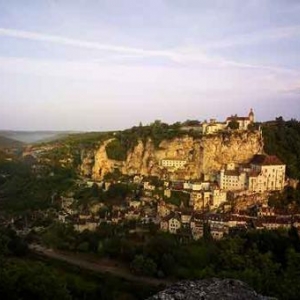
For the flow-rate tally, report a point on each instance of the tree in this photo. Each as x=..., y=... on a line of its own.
x=291, y=286
x=233, y=124
x=143, y=266
x=27, y=280
x=116, y=150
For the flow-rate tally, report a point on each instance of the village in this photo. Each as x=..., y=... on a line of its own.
x=234, y=199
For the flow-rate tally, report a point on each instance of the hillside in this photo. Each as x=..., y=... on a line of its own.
x=33, y=136
x=9, y=143
x=282, y=138
x=142, y=148
x=134, y=153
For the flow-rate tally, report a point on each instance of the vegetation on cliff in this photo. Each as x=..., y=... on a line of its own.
x=157, y=131
x=21, y=189
x=282, y=138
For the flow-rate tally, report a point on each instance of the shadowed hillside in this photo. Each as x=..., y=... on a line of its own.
x=282, y=138
x=33, y=136
x=9, y=143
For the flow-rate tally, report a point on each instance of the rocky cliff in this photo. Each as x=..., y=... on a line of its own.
x=204, y=155
x=209, y=289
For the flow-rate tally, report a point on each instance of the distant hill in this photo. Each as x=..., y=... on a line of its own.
x=9, y=143
x=29, y=137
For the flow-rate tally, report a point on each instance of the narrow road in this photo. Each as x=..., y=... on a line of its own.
x=100, y=266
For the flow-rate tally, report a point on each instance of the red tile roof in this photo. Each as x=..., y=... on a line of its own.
x=238, y=119
x=266, y=160
x=232, y=173
x=254, y=174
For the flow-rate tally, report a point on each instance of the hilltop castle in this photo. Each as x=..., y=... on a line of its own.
x=243, y=122
x=213, y=126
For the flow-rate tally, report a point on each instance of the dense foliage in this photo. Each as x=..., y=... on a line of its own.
x=22, y=189
x=24, y=276
x=289, y=199
x=234, y=124
x=82, y=140
x=179, y=198
x=267, y=260
x=282, y=138
x=117, y=149
x=157, y=131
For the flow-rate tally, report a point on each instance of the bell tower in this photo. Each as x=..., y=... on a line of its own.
x=251, y=116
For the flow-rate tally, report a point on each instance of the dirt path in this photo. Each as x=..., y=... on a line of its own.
x=102, y=266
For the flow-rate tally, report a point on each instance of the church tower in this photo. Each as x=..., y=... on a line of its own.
x=251, y=116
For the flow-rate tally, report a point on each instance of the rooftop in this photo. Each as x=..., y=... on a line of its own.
x=232, y=173
x=266, y=160
x=237, y=118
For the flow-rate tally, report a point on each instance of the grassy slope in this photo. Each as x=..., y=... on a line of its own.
x=9, y=143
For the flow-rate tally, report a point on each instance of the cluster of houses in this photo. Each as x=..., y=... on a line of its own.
x=262, y=175
x=193, y=223
x=40, y=156
x=143, y=211
x=208, y=208
x=185, y=222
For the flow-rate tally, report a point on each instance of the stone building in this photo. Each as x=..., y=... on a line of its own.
x=268, y=174
x=173, y=163
x=265, y=173
x=232, y=180
x=171, y=223
x=243, y=122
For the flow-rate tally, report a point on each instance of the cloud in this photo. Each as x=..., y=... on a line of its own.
x=65, y=41
x=269, y=35
x=179, y=55
x=292, y=90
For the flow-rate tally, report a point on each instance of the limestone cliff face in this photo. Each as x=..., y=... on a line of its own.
x=203, y=156
x=102, y=164
x=237, y=147
x=87, y=162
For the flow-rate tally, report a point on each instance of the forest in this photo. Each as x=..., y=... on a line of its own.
x=282, y=138
x=267, y=260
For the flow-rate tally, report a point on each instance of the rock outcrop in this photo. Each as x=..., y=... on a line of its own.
x=209, y=289
x=206, y=155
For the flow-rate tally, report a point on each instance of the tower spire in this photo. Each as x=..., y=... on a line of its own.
x=251, y=116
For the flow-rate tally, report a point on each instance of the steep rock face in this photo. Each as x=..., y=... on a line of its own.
x=102, y=164
x=203, y=156
x=87, y=162
x=237, y=148
x=209, y=289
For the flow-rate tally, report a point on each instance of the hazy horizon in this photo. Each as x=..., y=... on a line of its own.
x=71, y=131
x=108, y=65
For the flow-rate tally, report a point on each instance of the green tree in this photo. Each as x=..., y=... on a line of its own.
x=143, y=266
x=234, y=124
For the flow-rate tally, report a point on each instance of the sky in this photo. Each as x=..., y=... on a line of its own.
x=94, y=65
